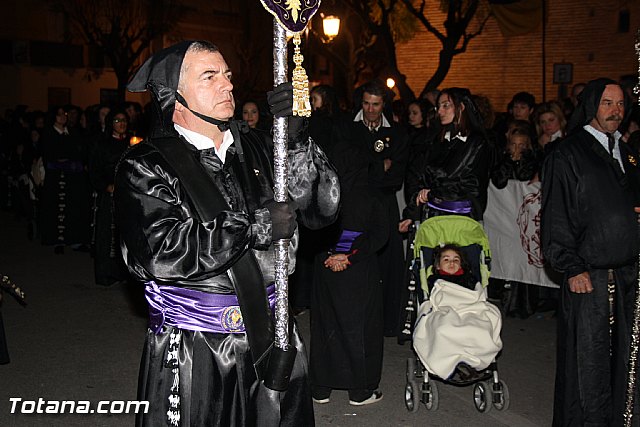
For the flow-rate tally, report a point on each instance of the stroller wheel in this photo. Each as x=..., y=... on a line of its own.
x=482, y=398
x=411, y=369
x=501, y=396
x=412, y=396
x=430, y=395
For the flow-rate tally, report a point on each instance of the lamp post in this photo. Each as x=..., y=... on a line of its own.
x=330, y=26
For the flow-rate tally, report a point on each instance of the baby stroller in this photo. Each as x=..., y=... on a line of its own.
x=423, y=367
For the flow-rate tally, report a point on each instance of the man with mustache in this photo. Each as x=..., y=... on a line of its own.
x=591, y=186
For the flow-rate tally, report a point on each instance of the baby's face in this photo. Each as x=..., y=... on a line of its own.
x=449, y=262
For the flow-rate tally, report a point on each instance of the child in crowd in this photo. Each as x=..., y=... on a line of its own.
x=456, y=325
x=520, y=161
x=451, y=265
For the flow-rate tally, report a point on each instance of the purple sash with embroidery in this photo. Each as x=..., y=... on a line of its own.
x=458, y=207
x=195, y=310
x=346, y=241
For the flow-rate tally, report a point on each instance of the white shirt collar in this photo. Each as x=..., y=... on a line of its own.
x=556, y=135
x=202, y=142
x=604, y=141
x=64, y=131
x=385, y=123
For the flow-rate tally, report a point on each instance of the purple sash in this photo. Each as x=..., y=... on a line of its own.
x=195, y=310
x=458, y=207
x=346, y=241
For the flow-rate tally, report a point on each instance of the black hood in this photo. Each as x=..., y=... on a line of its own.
x=160, y=74
x=589, y=101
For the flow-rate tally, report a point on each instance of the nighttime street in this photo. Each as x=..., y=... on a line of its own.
x=79, y=341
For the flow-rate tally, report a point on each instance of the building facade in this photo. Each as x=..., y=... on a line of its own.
x=593, y=37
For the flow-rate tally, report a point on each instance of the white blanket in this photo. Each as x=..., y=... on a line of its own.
x=457, y=325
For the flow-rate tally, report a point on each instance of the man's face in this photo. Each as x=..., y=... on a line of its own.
x=207, y=85
x=372, y=107
x=610, y=111
x=521, y=111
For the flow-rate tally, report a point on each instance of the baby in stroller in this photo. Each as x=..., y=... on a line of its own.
x=456, y=335
x=457, y=330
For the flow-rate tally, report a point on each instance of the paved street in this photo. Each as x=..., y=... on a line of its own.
x=79, y=341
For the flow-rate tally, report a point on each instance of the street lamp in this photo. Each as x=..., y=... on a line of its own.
x=390, y=83
x=330, y=26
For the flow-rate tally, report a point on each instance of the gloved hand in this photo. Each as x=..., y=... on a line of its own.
x=283, y=219
x=280, y=101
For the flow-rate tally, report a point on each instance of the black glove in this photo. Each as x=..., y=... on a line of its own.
x=280, y=101
x=283, y=219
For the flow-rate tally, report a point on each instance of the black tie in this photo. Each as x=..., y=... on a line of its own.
x=612, y=142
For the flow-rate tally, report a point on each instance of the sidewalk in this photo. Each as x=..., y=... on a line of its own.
x=79, y=341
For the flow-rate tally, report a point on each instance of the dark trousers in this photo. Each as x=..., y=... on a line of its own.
x=591, y=373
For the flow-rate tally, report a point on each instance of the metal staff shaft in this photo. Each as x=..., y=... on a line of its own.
x=635, y=328
x=633, y=352
x=280, y=190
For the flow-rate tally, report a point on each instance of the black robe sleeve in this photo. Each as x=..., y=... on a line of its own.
x=561, y=226
x=162, y=237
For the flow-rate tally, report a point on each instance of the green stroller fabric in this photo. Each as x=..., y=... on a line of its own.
x=456, y=229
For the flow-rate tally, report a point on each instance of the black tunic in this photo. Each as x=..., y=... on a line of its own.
x=162, y=240
x=66, y=196
x=359, y=143
x=346, y=306
x=588, y=225
x=108, y=264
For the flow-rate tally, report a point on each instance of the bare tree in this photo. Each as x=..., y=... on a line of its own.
x=384, y=23
x=456, y=35
x=121, y=30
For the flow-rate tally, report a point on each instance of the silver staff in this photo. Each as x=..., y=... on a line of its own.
x=635, y=330
x=280, y=190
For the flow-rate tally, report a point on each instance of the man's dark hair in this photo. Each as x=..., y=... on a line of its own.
x=524, y=98
x=375, y=87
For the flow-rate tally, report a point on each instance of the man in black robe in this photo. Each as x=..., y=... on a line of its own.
x=195, y=207
x=384, y=151
x=589, y=232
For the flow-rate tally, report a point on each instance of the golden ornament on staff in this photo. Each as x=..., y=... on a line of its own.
x=300, y=81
